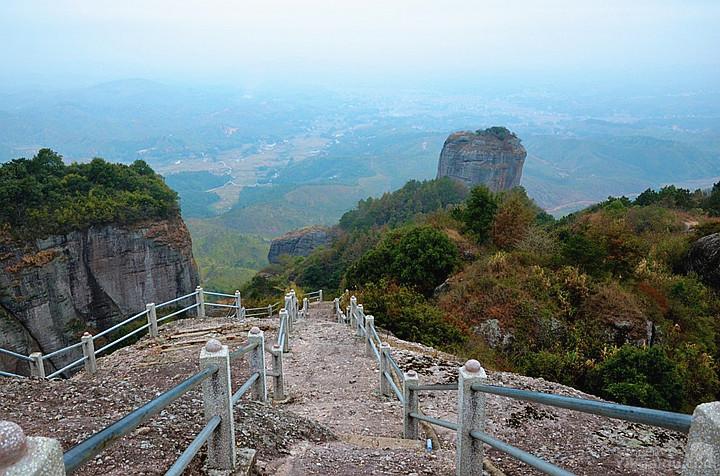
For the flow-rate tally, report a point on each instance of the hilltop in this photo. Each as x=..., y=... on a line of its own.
x=605, y=300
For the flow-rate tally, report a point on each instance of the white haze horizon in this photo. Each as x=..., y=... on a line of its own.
x=614, y=44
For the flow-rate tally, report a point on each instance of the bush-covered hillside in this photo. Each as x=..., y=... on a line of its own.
x=600, y=300
x=43, y=196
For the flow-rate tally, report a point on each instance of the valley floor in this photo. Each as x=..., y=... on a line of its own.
x=335, y=422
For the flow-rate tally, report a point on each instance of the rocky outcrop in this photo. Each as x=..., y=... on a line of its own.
x=299, y=242
x=493, y=157
x=704, y=259
x=56, y=288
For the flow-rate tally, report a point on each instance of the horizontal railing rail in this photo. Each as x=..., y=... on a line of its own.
x=187, y=456
x=15, y=354
x=173, y=301
x=243, y=350
x=84, y=451
x=435, y=421
x=9, y=374
x=244, y=388
x=672, y=421
x=67, y=367
x=527, y=458
x=178, y=312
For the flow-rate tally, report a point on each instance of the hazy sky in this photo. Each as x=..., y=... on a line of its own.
x=86, y=41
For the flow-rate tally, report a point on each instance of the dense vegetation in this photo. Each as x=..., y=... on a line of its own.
x=599, y=300
x=399, y=207
x=43, y=196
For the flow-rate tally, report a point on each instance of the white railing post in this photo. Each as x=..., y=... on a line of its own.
x=360, y=320
x=217, y=401
x=411, y=425
x=288, y=308
x=702, y=455
x=338, y=314
x=471, y=416
x=200, y=301
x=306, y=307
x=384, y=368
x=28, y=456
x=369, y=323
x=238, y=305
x=353, y=311
x=349, y=316
x=257, y=363
x=152, y=319
x=269, y=310
x=320, y=296
x=278, y=377
x=88, y=348
x=37, y=366
x=286, y=337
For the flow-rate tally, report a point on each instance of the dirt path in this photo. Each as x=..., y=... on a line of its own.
x=332, y=382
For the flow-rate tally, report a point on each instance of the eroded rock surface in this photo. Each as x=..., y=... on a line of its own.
x=56, y=288
x=299, y=242
x=493, y=157
x=704, y=259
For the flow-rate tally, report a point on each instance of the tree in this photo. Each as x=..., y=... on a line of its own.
x=513, y=218
x=478, y=212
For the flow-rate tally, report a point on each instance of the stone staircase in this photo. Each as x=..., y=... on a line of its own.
x=332, y=381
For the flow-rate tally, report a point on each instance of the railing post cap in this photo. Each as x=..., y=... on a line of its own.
x=384, y=344
x=411, y=374
x=473, y=366
x=213, y=345
x=237, y=291
x=255, y=330
x=198, y=287
x=360, y=306
x=86, y=335
x=276, y=347
x=149, y=305
x=13, y=443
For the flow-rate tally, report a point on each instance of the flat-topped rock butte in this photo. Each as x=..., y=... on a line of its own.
x=493, y=157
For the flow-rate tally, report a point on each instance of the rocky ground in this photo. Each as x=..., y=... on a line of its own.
x=335, y=422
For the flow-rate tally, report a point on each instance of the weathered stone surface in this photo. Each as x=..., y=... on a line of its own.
x=703, y=448
x=299, y=242
x=59, y=287
x=704, y=259
x=493, y=157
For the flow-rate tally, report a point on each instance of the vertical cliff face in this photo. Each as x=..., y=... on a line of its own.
x=56, y=288
x=493, y=157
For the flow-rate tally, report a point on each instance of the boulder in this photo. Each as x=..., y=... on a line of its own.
x=299, y=242
x=704, y=259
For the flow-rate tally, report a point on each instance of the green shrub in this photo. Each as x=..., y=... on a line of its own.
x=640, y=376
x=420, y=257
x=406, y=314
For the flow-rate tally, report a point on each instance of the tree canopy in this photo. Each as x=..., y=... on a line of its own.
x=43, y=196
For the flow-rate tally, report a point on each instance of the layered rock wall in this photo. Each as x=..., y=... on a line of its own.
x=56, y=288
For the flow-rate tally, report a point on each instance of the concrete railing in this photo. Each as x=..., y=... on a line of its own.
x=44, y=456
x=703, y=426
x=201, y=300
